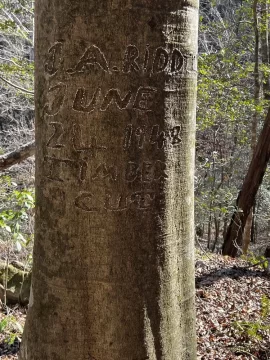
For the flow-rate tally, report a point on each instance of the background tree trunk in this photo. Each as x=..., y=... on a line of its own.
x=254, y=123
x=247, y=195
x=113, y=272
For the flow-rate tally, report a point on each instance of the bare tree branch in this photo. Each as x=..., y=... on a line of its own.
x=16, y=86
x=15, y=157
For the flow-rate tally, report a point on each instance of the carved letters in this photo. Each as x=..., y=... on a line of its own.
x=146, y=172
x=81, y=103
x=83, y=167
x=130, y=59
x=61, y=170
x=140, y=200
x=56, y=96
x=143, y=99
x=103, y=171
x=153, y=61
x=113, y=96
x=54, y=59
x=92, y=57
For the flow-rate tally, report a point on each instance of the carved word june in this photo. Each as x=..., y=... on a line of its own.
x=86, y=101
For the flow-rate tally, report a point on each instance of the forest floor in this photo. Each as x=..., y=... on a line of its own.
x=233, y=312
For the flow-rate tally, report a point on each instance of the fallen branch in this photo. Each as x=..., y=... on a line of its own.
x=267, y=269
x=15, y=157
x=16, y=86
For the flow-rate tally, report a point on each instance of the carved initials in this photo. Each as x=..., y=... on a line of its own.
x=54, y=59
x=92, y=57
x=131, y=171
x=147, y=172
x=142, y=200
x=115, y=203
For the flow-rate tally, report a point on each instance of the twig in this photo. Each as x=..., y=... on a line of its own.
x=16, y=86
x=244, y=352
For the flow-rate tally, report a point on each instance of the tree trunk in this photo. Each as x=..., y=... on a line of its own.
x=113, y=272
x=246, y=197
x=265, y=46
x=257, y=90
x=247, y=232
x=217, y=226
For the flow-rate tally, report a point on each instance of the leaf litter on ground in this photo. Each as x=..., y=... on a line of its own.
x=229, y=300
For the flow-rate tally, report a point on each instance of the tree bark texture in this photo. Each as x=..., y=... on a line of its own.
x=247, y=195
x=113, y=273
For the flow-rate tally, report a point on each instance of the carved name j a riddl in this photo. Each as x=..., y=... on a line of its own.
x=153, y=61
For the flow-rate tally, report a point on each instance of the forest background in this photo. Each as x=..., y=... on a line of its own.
x=233, y=100
x=233, y=97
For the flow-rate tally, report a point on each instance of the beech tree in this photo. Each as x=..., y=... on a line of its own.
x=115, y=95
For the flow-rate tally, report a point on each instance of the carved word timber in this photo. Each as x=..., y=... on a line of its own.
x=62, y=170
x=150, y=60
x=87, y=101
x=140, y=200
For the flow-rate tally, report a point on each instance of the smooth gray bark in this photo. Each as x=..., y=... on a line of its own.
x=113, y=274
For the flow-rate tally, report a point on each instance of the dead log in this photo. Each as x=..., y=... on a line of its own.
x=17, y=156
